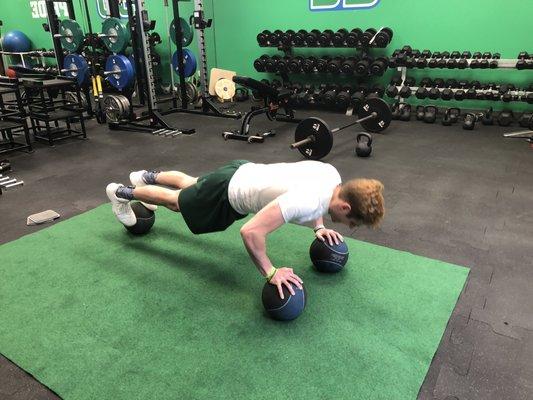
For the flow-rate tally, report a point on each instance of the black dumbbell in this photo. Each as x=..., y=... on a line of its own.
x=353, y=39
x=263, y=37
x=367, y=36
x=287, y=38
x=330, y=95
x=339, y=37
x=357, y=97
x=295, y=64
x=270, y=64
x=308, y=64
x=334, y=65
x=282, y=64
x=318, y=94
x=348, y=65
x=392, y=91
x=376, y=90
x=363, y=65
x=379, y=66
x=260, y=63
x=322, y=64
x=383, y=37
x=311, y=38
x=405, y=92
x=274, y=38
x=343, y=98
x=476, y=57
x=299, y=38
x=422, y=91
x=305, y=96
x=325, y=38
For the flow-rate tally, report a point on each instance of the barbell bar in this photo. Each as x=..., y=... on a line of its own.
x=314, y=138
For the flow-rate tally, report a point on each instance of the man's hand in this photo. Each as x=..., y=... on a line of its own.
x=286, y=276
x=330, y=235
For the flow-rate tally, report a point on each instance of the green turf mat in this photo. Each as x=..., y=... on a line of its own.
x=95, y=313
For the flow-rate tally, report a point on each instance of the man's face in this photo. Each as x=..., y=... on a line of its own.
x=339, y=215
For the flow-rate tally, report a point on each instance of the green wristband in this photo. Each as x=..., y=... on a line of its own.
x=271, y=274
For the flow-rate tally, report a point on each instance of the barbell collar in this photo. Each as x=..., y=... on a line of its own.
x=118, y=71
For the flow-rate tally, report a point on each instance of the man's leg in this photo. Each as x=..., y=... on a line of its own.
x=158, y=196
x=175, y=179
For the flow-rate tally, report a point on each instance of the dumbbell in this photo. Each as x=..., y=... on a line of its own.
x=325, y=38
x=343, y=98
x=274, y=38
x=262, y=38
x=318, y=94
x=447, y=92
x=287, y=38
x=308, y=64
x=363, y=65
x=295, y=88
x=305, y=96
x=476, y=57
x=312, y=38
x=522, y=62
x=334, y=64
x=495, y=63
x=423, y=86
x=379, y=66
x=445, y=55
x=367, y=36
x=382, y=38
x=295, y=64
x=322, y=64
x=348, y=65
x=376, y=91
x=357, y=98
x=455, y=56
x=339, y=37
x=298, y=38
x=405, y=92
x=471, y=93
x=260, y=63
x=353, y=39
x=283, y=64
x=330, y=95
x=485, y=57
x=271, y=64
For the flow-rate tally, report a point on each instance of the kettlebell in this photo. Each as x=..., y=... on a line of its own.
x=488, y=118
x=364, y=144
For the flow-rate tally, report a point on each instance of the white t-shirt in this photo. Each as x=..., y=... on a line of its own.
x=303, y=189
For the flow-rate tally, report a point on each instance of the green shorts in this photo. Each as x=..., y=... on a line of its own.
x=205, y=205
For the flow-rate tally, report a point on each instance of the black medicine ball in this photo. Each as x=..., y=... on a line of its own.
x=328, y=258
x=287, y=309
x=145, y=219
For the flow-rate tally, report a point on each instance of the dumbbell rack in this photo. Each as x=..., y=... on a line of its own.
x=495, y=94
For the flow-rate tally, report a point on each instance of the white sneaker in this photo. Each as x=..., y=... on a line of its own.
x=136, y=179
x=121, y=207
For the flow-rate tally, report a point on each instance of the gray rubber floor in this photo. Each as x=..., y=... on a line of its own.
x=458, y=196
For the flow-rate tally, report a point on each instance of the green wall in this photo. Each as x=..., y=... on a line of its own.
x=18, y=14
x=438, y=25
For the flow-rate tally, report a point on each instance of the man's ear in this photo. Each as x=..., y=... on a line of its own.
x=346, y=207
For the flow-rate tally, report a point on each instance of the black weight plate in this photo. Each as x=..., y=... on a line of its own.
x=323, y=138
x=384, y=114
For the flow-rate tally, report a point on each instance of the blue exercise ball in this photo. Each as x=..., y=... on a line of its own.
x=16, y=41
x=328, y=258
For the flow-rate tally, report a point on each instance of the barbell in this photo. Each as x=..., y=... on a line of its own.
x=314, y=138
x=116, y=108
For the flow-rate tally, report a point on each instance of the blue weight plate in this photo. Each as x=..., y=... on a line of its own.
x=124, y=75
x=189, y=62
x=77, y=66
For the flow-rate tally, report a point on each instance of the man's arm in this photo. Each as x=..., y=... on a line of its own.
x=254, y=234
x=322, y=233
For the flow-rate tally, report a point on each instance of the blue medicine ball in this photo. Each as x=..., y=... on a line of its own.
x=287, y=309
x=16, y=41
x=328, y=258
x=145, y=219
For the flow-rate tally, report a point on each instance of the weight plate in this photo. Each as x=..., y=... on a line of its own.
x=72, y=35
x=186, y=32
x=124, y=75
x=323, y=142
x=77, y=68
x=381, y=108
x=113, y=108
x=117, y=34
x=189, y=62
x=72, y=98
x=225, y=89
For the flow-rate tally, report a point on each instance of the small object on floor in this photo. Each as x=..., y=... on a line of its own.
x=5, y=165
x=286, y=309
x=364, y=144
x=145, y=219
x=42, y=217
x=328, y=258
